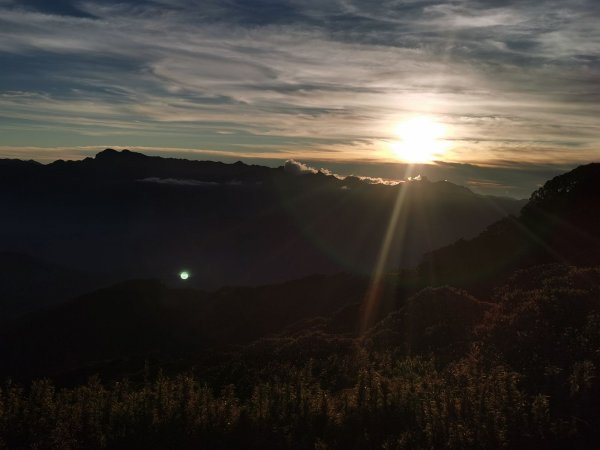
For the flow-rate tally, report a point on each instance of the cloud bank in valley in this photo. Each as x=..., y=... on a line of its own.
x=514, y=82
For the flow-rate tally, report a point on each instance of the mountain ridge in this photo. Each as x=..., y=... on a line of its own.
x=558, y=224
x=136, y=216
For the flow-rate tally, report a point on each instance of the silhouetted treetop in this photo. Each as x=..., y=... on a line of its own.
x=560, y=223
x=568, y=190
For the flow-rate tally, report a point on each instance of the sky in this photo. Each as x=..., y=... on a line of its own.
x=515, y=85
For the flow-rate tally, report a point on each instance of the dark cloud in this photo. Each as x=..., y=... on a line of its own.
x=261, y=12
x=59, y=7
x=67, y=75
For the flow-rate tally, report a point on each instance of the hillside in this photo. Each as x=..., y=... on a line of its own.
x=134, y=216
x=490, y=342
x=145, y=319
x=559, y=224
x=135, y=320
x=28, y=284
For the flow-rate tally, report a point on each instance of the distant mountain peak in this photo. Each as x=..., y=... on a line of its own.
x=7, y=162
x=113, y=154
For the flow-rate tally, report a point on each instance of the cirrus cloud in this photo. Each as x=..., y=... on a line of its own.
x=322, y=80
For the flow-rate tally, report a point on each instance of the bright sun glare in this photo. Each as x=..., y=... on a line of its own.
x=421, y=140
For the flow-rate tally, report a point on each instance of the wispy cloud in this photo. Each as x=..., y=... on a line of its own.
x=297, y=168
x=327, y=80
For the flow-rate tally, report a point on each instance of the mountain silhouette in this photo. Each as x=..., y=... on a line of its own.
x=140, y=319
x=501, y=329
x=559, y=224
x=28, y=284
x=127, y=215
x=122, y=326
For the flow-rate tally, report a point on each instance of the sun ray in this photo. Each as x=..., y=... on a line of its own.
x=373, y=295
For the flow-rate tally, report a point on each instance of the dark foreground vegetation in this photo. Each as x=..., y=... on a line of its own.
x=490, y=343
x=524, y=376
x=404, y=404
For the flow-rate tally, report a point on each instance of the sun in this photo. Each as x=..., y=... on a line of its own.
x=421, y=140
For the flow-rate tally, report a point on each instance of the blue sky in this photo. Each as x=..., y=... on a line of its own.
x=515, y=83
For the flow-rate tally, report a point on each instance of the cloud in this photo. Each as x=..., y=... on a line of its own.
x=312, y=80
x=331, y=174
x=298, y=168
x=378, y=180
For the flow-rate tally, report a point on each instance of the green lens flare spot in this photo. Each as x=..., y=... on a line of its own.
x=184, y=275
